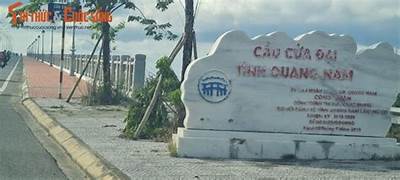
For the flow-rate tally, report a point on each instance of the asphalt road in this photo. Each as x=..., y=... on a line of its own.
x=21, y=154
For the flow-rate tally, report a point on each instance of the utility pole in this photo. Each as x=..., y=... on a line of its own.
x=188, y=43
x=43, y=45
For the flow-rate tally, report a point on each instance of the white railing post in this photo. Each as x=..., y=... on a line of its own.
x=139, y=71
x=130, y=69
x=84, y=62
x=127, y=73
x=120, y=72
x=93, y=67
x=112, y=70
x=125, y=59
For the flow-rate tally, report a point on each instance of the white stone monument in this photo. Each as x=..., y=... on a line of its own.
x=274, y=97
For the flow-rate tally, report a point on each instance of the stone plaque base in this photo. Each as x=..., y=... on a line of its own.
x=260, y=145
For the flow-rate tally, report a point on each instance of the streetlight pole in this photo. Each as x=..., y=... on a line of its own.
x=51, y=49
x=62, y=59
x=43, y=45
x=33, y=48
x=72, y=69
x=29, y=53
x=28, y=50
x=38, y=47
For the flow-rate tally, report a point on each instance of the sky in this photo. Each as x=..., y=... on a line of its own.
x=367, y=21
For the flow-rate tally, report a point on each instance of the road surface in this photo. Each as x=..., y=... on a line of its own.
x=21, y=154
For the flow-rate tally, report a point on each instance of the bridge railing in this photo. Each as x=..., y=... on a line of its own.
x=126, y=73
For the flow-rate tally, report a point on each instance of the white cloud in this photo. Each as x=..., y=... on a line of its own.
x=217, y=16
x=233, y=12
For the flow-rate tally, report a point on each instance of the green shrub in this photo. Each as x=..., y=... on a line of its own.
x=160, y=125
x=97, y=96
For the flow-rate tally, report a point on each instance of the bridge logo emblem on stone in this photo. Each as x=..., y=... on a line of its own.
x=214, y=86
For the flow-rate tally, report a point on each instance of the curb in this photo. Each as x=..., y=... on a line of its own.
x=88, y=160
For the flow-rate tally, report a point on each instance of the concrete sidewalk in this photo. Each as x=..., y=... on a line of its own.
x=43, y=80
x=100, y=127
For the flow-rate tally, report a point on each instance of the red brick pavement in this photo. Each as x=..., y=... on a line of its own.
x=43, y=81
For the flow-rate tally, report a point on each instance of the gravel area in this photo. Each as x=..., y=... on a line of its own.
x=100, y=127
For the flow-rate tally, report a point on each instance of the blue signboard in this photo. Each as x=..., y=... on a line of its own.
x=57, y=10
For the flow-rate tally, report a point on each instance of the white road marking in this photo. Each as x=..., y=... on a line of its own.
x=5, y=84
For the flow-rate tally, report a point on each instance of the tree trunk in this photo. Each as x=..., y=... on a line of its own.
x=107, y=91
x=187, y=46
